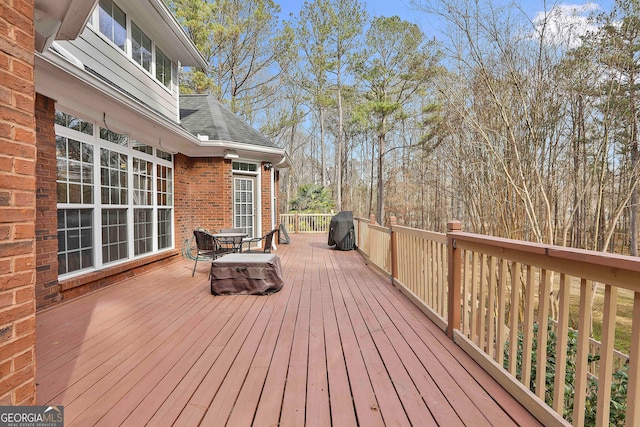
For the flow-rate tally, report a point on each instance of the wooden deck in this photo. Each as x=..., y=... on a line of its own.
x=337, y=346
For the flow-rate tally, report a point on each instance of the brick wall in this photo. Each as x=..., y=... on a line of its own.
x=204, y=194
x=17, y=204
x=203, y=191
x=266, y=201
x=276, y=187
x=47, y=287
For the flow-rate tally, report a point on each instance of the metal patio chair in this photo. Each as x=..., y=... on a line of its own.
x=267, y=240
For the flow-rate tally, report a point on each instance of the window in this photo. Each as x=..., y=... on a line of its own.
x=142, y=182
x=142, y=231
x=163, y=68
x=140, y=47
x=75, y=240
x=114, y=235
x=244, y=167
x=75, y=171
x=116, y=138
x=113, y=180
x=113, y=23
x=143, y=148
x=113, y=177
x=165, y=199
x=142, y=195
x=164, y=228
x=115, y=196
x=163, y=155
x=165, y=186
x=71, y=122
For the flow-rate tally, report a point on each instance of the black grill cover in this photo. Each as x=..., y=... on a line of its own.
x=341, y=231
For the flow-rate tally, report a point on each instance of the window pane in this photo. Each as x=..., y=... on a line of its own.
x=114, y=235
x=143, y=148
x=141, y=47
x=142, y=182
x=163, y=68
x=143, y=231
x=106, y=21
x=244, y=167
x=163, y=155
x=164, y=184
x=75, y=240
x=74, y=171
x=75, y=193
x=116, y=138
x=113, y=23
x=164, y=228
x=119, y=27
x=113, y=177
x=71, y=122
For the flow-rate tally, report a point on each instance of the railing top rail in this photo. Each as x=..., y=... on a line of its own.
x=619, y=270
x=423, y=234
x=362, y=219
x=379, y=228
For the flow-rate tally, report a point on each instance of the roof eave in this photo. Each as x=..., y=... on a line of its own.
x=190, y=56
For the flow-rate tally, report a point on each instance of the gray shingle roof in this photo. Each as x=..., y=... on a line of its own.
x=203, y=115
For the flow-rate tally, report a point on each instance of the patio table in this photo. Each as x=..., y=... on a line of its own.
x=234, y=239
x=242, y=274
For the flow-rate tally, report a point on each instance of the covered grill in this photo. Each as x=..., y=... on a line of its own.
x=341, y=231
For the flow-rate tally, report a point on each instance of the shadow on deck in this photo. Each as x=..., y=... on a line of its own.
x=338, y=345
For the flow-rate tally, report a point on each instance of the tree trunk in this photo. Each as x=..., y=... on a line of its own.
x=340, y=144
x=371, y=180
x=633, y=226
x=380, y=201
x=322, y=164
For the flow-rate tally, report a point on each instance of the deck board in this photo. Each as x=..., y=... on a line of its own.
x=338, y=345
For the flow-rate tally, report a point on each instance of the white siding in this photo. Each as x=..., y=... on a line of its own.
x=95, y=52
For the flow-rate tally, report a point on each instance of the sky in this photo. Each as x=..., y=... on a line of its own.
x=574, y=10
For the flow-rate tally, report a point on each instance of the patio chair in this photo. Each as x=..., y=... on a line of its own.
x=205, y=248
x=267, y=240
x=208, y=248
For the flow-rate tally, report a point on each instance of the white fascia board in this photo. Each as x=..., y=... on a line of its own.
x=72, y=15
x=66, y=81
x=187, y=53
x=275, y=155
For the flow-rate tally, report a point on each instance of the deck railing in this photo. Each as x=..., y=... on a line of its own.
x=519, y=308
x=306, y=223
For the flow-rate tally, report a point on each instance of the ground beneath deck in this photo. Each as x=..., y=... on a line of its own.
x=338, y=345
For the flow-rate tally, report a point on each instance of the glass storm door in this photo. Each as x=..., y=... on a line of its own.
x=244, y=204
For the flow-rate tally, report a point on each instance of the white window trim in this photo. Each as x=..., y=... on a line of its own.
x=97, y=206
x=257, y=174
x=94, y=25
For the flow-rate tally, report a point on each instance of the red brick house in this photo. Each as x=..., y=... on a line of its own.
x=103, y=171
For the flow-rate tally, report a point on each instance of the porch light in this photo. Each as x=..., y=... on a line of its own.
x=268, y=166
x=231, y=154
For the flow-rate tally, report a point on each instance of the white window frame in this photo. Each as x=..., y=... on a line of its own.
x=257, y=175
x=94, y=24
x=97, y=206
x=127, y=26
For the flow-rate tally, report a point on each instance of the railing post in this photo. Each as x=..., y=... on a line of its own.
x=394, y=250
x=296, y=223
x=455, y=277
x=372, y=221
